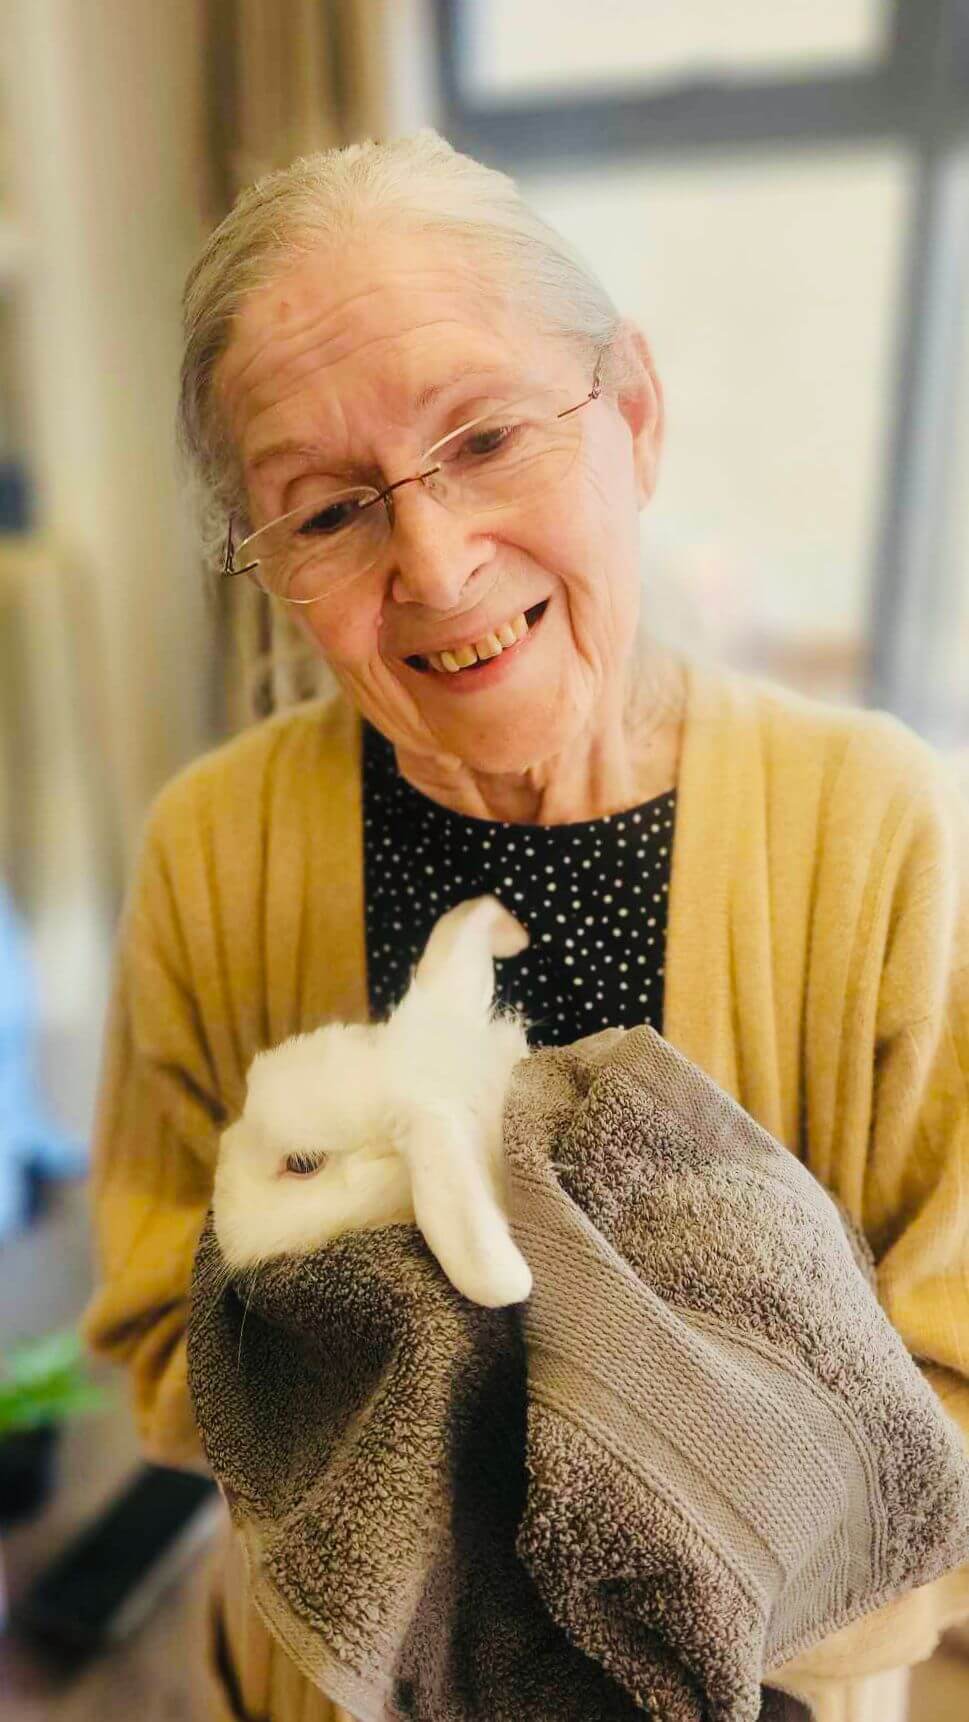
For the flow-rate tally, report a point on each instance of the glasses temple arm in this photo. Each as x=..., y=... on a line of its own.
x=228, y=571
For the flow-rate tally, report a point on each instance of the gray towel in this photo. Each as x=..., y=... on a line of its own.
x=697, y=1450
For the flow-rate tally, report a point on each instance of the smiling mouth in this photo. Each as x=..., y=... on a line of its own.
x=488, y=647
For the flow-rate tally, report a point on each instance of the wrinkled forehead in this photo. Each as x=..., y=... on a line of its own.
x=384, y=325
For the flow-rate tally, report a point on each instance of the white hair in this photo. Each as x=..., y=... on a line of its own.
x=419, y=182
x=320, y=199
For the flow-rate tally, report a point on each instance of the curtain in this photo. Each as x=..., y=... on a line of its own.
x=285, y=78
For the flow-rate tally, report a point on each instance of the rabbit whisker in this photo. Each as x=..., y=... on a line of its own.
x=242, y=1324
x=209, y=1289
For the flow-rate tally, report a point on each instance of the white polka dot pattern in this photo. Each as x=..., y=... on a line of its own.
x=593, y=896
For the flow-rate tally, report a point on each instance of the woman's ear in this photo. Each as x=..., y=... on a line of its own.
x=640, y=400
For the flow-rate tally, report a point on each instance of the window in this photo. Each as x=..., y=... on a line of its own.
x=780, y=194
x=509, y=51
x=769, y=293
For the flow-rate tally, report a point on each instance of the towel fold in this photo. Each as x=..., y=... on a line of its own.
x=697, y=1450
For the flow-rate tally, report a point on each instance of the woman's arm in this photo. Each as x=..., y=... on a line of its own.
x=915, y=1200
x=156, y=1128
x=243, y=924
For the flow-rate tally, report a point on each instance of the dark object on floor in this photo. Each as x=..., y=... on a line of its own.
x=108, y=1579
x=26, y=1471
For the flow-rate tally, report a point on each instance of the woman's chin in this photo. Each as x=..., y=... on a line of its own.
x=511, y=745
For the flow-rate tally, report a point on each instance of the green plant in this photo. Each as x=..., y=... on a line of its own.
x=44, y=1381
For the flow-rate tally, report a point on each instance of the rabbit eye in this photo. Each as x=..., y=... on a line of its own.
x=303, y=1165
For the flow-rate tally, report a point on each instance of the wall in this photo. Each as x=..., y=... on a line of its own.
x=106, y=129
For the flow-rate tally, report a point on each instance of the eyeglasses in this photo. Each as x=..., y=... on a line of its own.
x=492, y=463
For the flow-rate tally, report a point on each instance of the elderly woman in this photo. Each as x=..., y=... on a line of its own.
x=429, y=436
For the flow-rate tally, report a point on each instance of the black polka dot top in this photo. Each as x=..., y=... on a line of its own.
x=593, y=896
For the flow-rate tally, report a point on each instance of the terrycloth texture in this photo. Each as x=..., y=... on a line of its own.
x=730, y=1453
x=817, y=968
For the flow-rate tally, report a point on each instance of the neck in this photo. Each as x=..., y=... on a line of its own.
x=622, y=758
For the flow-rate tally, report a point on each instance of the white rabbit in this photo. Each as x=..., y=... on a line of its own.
x=357, y=1126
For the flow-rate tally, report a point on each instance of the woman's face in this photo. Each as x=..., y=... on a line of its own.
x=360, y=366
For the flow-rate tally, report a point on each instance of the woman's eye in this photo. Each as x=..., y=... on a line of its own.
x=303, y=1165
x=330, y=519
x=487, y=441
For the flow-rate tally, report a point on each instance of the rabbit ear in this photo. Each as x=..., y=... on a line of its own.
x=456, y=1210
x=459, y=955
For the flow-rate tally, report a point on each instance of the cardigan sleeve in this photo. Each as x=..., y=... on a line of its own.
x=915, y=1192
x=156, y=1127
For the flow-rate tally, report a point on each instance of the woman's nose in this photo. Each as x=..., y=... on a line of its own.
x=433, y=552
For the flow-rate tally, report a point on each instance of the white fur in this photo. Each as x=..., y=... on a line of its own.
x=408, y=1114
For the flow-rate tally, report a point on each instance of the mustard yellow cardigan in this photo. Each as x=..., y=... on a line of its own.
x=817, y=967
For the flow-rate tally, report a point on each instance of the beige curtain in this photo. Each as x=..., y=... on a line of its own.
x=286, y=77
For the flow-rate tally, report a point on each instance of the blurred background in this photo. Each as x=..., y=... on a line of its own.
x=778, y=192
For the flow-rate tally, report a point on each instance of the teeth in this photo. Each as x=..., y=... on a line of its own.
x=489, y=646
